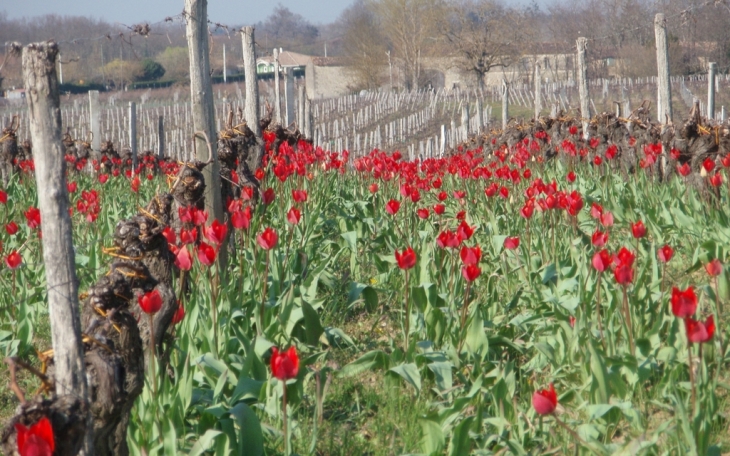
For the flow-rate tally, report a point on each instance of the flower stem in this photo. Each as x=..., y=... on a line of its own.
x=153, y=378
x=407, y=314
x=287, y=450
x=262, y=309
x=691, y=376
x=598, y=310
x=215, y=311
x=719, y=321
x=627, y=318
x=464, y=313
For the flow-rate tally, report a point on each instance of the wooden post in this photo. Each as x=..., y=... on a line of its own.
x=300, y=108
x=277, y=91
x=95, y=115
x=585, y=110
x=133, y=134
x=465, y=121
x=289, y=95
x=711, y=91
x=505, y=104
x=480, y=117
x=252, y=93
x=538, y=99
x=160, y=137
x=664, y=90
x=201, y=100
x=308, y=120
x=41, y=85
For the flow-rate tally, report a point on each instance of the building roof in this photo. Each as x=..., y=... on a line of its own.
x=287, y=59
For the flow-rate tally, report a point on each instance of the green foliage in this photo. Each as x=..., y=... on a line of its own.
x=151, y=70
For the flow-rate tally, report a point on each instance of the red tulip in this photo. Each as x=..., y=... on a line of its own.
x=442, y=196
x=11, y=228
x=415, y=196
x=36, y=441
x=471, y=255
x=135, y=184
x=716, y=180
x=448, y=239
x=511, y=243
x=459, y=194
x=599, y=239
x=186, y=214
x=708, y=164
x=268, y=196
x=504, y=192
x=179, y=314
x=199, y=217
x=623, y=274
x=216, y=232
x=596, y=211
x=267, y=240
x=293, y=216
x=570, y=177
x=684, y=170
x=439, y=209
x=684, y=303
x=527, y=210
x=607, y=219
x=638, y=230
x=13, y=260
x=284, y=365
x=188, y=236
x=373, y=188
x=573, y=130
x=183, y=260
x=33, y=217
x=698, y=332
x=545, y=401
x=406, y=259
x=241, y=219
x=624, y=257
x=726, y=161
x=206, y=254
x=601, y=260
x=71, y=187
x=299, y=196
x=464, y=231
x=470, y=272
x=422, y=213
x=665, y=253
x=714, y=268
x=104, y=177
x=169, y=234
x=392, y=206
x=597, y=160
x=150, y=302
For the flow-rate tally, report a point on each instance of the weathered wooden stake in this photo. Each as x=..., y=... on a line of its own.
x=41, y=85
x=538, y=98
x=277, y=91
x=585, y=110
x=133, y=133
x=505, y=104
x=160, y=137
x=289, y=95
x=203, y=113
x=252, y=93
x=711, y=90
x=664, y=90
x=95, y=115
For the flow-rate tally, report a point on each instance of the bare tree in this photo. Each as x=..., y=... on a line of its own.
x=363, y=46
x=478, y=35
x=409, y=25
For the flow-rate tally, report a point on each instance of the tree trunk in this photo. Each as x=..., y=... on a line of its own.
x=201, y=97
x=41, y=85
x=252, y=94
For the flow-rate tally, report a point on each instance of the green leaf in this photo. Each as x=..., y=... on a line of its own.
x=312, y=327
x=432, y=437
x=250, y=437
x=596, y=411
x=599, y=386
x=372, y=360
x=351, y=239
x=460, y=440
x=476, y=339
x=202, y=445
x=409, y=373
x=443, y=375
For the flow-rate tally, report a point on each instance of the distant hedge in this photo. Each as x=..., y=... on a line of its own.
x=80, y=88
